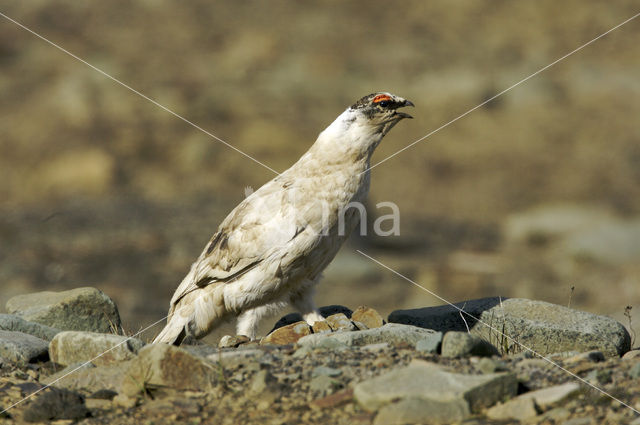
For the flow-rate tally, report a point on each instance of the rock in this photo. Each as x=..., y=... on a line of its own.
x=10, y=322
x=450, y=392
x=334, y=400
x=631, y=354
x=418, y=410
x=89, y=378
x=359, y=325
x=81, y=309
x=545, y=328
x=124, y=401
x=368, y=316
x=288, y=334
x=325, y=311
x=263, y=381
x=323, y=385
x=546, y=398
x=634, y=372
x=327, y=371
x=391, y=333
x=518, y=408
x=101, y=349
x=589, y=356
x=488, y=365
x=321, y=327
x=229, y=341
x=340, y=322
x=55, y=403
x=462, y=344
x=162, y=365
x=430, y=344
x=21, y=348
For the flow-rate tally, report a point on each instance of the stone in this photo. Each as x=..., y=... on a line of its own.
x=518, y=408
x=418, y=410
x=368, y=316
x=229, y=341
x=631, y=354
x=89, y=378
x=634, y=372
x=21, y=348
x=489, y=365
x=440, y=389
x=263, y=381
x=334, y=400
x=545, y=328
x=124, y=401
x=430, y=344
x=162, y=365
x=340, y=322
x=321, y=327
x=101, y=349
x=462, y=344
x=288, y=334
x=11, y=322
x=324, y=370
x=546, y=398
x=81, y=309
x=589, y=356
x=325, y=311
x=54, y=404
x=391, y=333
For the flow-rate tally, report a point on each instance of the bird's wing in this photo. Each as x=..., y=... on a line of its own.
x=264, y=223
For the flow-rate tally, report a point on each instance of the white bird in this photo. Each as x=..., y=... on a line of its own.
x=271, y=249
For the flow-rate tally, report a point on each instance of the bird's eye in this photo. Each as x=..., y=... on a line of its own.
x=383, y=103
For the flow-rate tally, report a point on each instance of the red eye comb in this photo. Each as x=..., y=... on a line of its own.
x=381, y=97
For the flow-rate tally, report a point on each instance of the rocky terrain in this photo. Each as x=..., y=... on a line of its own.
x=63, y=358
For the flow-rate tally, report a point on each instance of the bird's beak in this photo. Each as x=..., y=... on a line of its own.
x=404, y=114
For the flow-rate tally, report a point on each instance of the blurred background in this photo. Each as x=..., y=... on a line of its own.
x=536, y=195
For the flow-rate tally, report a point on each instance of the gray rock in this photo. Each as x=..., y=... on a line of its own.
x=444, y=390
x=162, y=365
x=634, y=372
x=462, y=344
x=391, y=333
x=81, y=309
x=89, y=378
x=54, y=404
x=417, y=410
x=18, y=347
x=430, y=344
x=73, y=347
x=543, y=327
x=11, y=322
x=488, y=365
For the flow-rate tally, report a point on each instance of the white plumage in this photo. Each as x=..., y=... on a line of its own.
x=271, y=249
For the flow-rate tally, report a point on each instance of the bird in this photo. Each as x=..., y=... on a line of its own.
x=271, y=249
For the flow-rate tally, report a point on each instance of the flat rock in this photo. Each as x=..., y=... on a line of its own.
x=340, y=322
x=544, y=327
x=11, y=322
x=81, y=309
x=288, y=334
x=418, y=410
x=549, y=397
x=367, y=316
x=391, y=333
x=19, y=347
x=162, y=365
x=441, y=391
x=462, y=344
x=229, y=341
x=74, y=347
x=517, y=408
x=89, y=378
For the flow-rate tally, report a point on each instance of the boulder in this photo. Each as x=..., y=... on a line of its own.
x=18, y=347
x=75, y=347
x=81, y=309
x=543, y=327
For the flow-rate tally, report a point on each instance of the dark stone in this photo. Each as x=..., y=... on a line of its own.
x=55, y=403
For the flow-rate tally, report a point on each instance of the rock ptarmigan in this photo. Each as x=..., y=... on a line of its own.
x=271, y=249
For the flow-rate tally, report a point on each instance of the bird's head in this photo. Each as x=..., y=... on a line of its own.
x=380, y=110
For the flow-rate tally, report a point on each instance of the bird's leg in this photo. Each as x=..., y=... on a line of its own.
x=303, y=302
x=249, y=320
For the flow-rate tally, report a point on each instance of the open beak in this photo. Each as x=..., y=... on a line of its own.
x=404, y=114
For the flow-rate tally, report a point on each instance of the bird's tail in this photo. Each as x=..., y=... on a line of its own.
x=174, y=331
